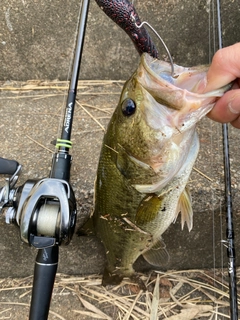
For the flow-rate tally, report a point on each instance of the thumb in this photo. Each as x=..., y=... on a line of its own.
x=227, y=108
x=225, y=68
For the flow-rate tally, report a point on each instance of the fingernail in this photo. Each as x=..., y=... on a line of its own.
x=234, y=104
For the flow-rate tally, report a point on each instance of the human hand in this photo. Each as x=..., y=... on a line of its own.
x=225, y=68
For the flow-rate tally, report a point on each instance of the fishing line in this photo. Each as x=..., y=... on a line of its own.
x=228, y=199
x=211, y=33
x=216, y=159
x=159, y=37
x=217, y=223
x=215, y=16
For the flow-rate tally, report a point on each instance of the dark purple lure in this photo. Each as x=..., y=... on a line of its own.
x=121, y=12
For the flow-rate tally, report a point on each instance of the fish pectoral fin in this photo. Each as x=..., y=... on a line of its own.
x=150, y=188
x=133, y=169
x=185, y=207
x=157, y=255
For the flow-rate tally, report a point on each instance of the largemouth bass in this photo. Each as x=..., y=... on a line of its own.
x=147, y=155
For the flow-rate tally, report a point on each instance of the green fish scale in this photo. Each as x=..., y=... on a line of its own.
x=119, y=200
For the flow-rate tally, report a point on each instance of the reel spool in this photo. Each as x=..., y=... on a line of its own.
x=46, y=213
x=47, y=219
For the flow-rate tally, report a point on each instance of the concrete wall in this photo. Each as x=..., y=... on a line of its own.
x=37, y=37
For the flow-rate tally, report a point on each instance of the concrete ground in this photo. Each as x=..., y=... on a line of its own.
x=36, y=42
x=31, y=120
x=31, y=117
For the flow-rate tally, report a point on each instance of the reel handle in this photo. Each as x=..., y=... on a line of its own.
x=8, y=166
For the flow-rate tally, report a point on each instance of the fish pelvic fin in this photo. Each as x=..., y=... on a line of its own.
x=157, y=255
x=185, y=208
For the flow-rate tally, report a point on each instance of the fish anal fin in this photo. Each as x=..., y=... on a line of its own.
x=157, y=255
x=185, y=207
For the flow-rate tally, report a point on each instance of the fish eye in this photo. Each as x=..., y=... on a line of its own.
x=128, y=107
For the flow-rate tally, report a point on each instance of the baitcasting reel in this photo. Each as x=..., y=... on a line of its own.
x=45, y=210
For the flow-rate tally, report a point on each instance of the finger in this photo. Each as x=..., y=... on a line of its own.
x=236, y=123
x=224, y=69
x=227, y=108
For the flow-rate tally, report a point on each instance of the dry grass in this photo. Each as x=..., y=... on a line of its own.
x=55, y=88
x=174, y=295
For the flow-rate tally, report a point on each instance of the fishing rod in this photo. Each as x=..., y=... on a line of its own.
x=228, y=198
x=45, y=210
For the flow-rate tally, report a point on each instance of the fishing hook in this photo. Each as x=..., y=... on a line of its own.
x=159, y=37
x=228, y=195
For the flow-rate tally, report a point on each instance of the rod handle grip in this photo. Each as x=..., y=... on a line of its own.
x=43, y=282
x=8, y=166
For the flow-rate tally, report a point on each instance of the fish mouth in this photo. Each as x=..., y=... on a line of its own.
x=178, y=91
x=189, y=79
x=177, y=98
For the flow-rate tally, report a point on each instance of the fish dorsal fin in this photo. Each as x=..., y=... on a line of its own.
x=185, y=208
x=157, y=255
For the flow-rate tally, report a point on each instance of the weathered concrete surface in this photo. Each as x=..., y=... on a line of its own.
x=37, y=37
x=35, y=114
